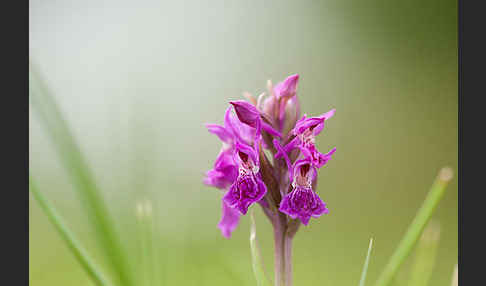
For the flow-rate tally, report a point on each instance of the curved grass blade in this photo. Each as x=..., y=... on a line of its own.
x=81, y=175
x=415, y=229
x=426, y=254
x=73, y=244
x=257, y=261
x=365, y=266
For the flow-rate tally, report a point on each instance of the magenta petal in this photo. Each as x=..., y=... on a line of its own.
x=289, y=147
x=284, y=155
x=246, y=150
x=328, y=114
x=302, y=163
x=232, y=196
x=287, y=87
x=224, y=172
x=229, y=121
x=303, y=203
x=316, y=158
x=324, y=158
x=247, y=189
x=305, y=219
x=324, y=117
x=320, y=207
x=269, y=129
x=216, y=179
x=220, y=131
x=299, y=122
x=241, y=131
x=285, y=207
x=316, y=124
x=229, y=220
x=252, y=190
x=246, y=112
x=308, y=123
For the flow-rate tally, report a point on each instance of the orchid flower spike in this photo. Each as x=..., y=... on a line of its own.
x=246, y=176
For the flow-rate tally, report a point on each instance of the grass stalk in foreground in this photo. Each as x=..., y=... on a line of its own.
x=79, y=253
x=425, y=255
x=72, y=159
x=365, y=266
x=415, y=229
x=146, y=233
x=257, y=262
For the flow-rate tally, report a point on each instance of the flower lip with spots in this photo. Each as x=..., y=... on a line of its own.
x=302, y=202
x=248, y=187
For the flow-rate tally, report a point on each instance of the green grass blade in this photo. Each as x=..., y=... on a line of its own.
x=147, y=250
x=415, y=229
x=72, y=159
x=365, y=266
x=73, y=244
x=426, y=254
x=257, y=262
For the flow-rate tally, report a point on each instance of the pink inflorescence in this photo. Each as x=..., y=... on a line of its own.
x=287, y=182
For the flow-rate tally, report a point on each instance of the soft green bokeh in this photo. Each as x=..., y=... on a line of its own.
x=136, y=80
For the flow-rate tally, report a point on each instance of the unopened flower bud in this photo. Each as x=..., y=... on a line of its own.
x=270, y=107
x=291, y=114
x=246, y=112
x=287, y=88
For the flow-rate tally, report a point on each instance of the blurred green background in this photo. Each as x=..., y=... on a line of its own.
x=137, y=80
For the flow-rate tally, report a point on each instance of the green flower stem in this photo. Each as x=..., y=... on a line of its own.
x=415, y=229
x=257, y=260
x=288, y=259
x=73, y=244
x=279, y=229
